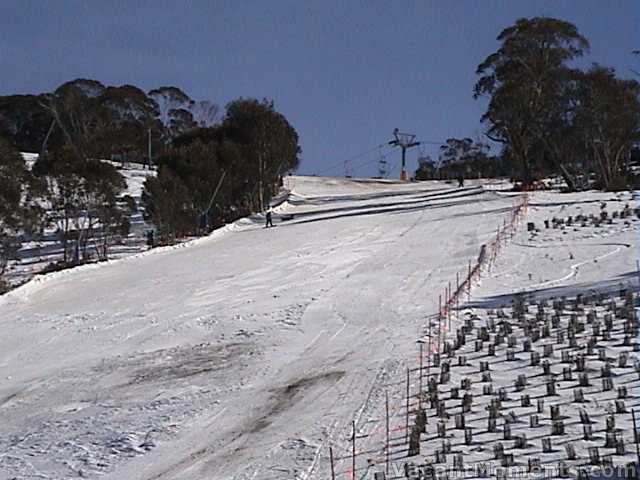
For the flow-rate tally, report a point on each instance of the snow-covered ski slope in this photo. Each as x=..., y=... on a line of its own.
x=246, y=354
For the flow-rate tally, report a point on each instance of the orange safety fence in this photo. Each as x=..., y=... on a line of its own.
x=486, y=258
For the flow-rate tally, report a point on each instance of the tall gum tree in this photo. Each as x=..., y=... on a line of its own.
x=608, y=119
x=524, y=81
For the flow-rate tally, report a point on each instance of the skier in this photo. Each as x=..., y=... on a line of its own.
x=460, y=181
x=269, y=219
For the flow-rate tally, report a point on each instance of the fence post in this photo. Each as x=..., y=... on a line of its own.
x=406, y=432
x=449, y=301
x=635, y=435
x=469, y=283
x=457, y=298
x=420, y=381
x=439, y=319
x=333, y=472
x=386, y=397
x=353, y=451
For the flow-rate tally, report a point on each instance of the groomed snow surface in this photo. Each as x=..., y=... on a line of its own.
x=248, y=353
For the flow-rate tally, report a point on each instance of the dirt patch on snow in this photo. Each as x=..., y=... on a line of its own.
x=287, y=396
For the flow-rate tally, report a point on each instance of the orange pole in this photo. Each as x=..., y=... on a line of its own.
x=449, y=306
x=420, y=381
x=457, y=296
x=439, y=319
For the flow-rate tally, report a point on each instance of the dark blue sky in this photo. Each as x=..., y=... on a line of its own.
x=345, y=73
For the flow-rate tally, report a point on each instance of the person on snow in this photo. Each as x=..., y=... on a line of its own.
x=460, y=181
x=269, y=219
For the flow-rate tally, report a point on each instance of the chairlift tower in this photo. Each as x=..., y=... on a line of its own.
x=383, y=167
x=348, y=169
x=404, y=141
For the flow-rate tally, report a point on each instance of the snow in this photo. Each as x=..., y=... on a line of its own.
x=248, y=353
x=29, y=158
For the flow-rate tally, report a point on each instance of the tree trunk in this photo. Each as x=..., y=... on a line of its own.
x=260, y=184
x=568, y=178
x=43, y=148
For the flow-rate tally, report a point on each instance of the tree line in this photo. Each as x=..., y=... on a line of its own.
x=214, y=175
x=101, y=120
x=548, y=116
x=211, y=168
x=462, y=157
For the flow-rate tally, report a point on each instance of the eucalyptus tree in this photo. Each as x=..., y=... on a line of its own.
x=19, y=213
x=608, y=120
x=528, y=83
